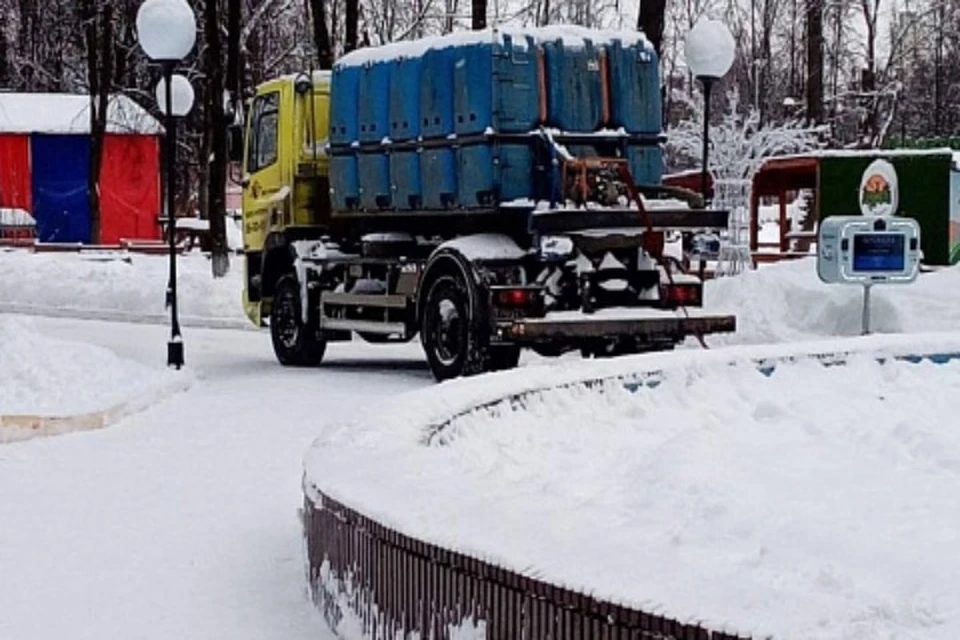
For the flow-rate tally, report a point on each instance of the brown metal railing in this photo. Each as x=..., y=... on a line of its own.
x=395, y=586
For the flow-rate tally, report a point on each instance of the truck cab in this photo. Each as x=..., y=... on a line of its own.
x=284, y=177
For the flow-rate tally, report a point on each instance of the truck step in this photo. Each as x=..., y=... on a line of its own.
x=363, y=326
x=364, y=300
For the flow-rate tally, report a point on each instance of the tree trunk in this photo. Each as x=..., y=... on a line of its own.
x=352, y=8
x=321, y=34
x=4, y=66
x=815, y=61
x=651, y=21
x=234, y=61
x=478, y=15
x=98, y=29
x=216, y=162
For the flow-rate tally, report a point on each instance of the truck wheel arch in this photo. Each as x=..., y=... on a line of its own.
x=448, y=261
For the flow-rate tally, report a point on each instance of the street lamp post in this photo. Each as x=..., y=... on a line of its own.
x=709, y=51
x=167, y=31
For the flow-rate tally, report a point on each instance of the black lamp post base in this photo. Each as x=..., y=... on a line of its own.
x=175, y=354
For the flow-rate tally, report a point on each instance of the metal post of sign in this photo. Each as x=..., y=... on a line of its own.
x=866, y=309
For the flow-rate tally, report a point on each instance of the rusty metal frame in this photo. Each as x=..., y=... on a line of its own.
x=399, y=587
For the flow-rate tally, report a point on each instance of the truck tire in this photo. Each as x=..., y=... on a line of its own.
x=295, y=344
x=453, y=345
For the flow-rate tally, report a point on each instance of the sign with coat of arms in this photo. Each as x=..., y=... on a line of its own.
x=879, y=190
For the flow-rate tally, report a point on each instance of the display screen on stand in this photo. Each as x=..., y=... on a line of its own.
x=879, y=252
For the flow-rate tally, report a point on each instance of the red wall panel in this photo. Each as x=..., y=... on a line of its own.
x=130, y=188
x=15, y=172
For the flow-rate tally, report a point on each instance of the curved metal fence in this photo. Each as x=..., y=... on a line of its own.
x=394, y=586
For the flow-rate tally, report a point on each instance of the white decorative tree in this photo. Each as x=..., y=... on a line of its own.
x=739, y=145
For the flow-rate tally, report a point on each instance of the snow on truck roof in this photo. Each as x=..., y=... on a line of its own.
x=69, y=113
x=571, y=35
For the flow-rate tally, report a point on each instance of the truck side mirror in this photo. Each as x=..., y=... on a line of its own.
x=235, y=142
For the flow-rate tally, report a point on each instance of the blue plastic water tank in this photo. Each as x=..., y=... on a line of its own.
x=438, y=170
x=374, y=170
x=574, y=86
x=646, y=163
x=436, y=92
x=495, y=173
x=634, y=87
x=496, y=86
x=344, y=182
x=344, y=87
x=405, y=179
x=405, y=99
x=374, y=101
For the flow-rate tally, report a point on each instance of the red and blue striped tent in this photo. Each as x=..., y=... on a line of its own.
x=45, y=161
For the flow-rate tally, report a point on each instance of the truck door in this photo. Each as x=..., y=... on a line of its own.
x=263, y=204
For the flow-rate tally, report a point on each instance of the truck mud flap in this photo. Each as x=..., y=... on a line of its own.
x=537, y=330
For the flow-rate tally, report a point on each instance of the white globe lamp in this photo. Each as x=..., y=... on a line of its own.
x=709, y=50
x=181, y=95
x=166, y=29
x=167, y=32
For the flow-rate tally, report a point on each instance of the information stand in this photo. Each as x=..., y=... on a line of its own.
x=868, y=251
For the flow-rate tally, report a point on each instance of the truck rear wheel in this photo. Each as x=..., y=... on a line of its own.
x=295, y=343
x=452, y=345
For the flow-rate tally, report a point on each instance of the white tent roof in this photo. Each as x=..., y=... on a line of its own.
x=70, y=113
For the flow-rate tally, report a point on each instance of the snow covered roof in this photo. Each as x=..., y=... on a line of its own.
x=70, y=113
x=864, y=153
x=571, y=35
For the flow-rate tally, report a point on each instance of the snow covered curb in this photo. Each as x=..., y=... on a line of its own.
x=18, y=428
x=116, y=315
x=381, y=465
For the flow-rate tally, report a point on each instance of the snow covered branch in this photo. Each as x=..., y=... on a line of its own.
x=738, y=143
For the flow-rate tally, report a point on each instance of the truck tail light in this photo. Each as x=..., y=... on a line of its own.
x=516, y=298
x=686, y=294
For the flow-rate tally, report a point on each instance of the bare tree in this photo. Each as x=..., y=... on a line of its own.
x=478, y=14
x=97, y=19
x=651, y=19
x=215, y=128
x=814, y=23
x=4, y=63
x=321, y=34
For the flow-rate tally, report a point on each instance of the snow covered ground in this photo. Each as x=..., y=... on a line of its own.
x=775, y=303
x=786, y=302
x=64, y=377
x=816, y=503
x=117, y=286
x=180, y=522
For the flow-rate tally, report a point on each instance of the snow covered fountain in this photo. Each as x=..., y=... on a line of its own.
x=791, y=491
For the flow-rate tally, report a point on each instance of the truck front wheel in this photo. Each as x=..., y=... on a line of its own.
x=449, y=338
x=295, y=343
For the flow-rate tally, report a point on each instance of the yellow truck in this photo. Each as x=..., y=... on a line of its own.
x=487, y=191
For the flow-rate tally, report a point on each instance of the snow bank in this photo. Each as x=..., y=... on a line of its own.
x=130, y=287
x=43, y=376
x=816, y=502
x=786, y=302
